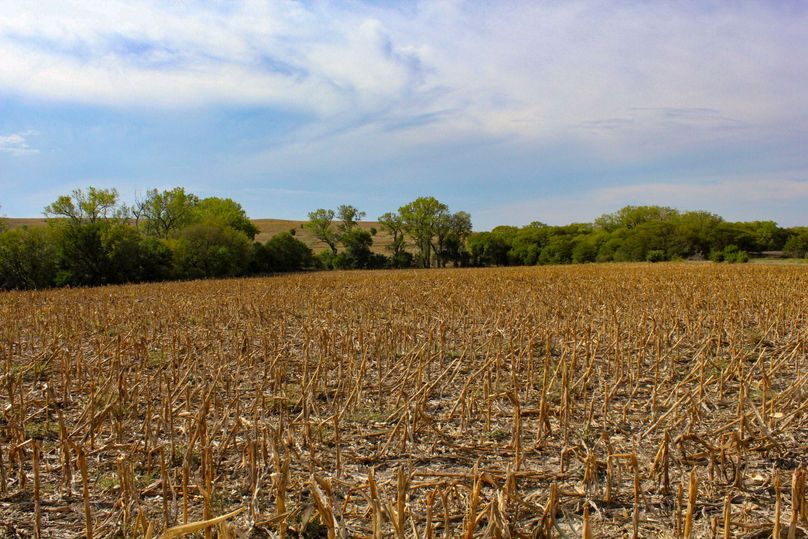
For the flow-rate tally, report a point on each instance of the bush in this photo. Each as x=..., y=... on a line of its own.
x=378, y=261
x=81, y=259
x=655, y=255
x=133, y=258
x=402, y=259
x=210, y=249
x=797, y=245
x=325, y=260
x=27, y=259
x=357, y=242
x=285, y=253
x=730, y=254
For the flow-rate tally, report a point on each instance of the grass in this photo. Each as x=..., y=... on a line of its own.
x=40, y=430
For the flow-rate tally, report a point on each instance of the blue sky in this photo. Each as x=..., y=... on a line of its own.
x=514, y=111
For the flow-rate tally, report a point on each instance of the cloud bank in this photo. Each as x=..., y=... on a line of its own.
x=508, y=67
x=706, y=88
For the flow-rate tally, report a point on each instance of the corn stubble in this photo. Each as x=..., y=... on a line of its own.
x=585, y=401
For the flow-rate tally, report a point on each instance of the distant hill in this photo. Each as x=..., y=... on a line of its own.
x=270, y=227
x=267, y=227
x=16, y=222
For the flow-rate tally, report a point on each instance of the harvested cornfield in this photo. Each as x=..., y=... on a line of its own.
x=662, y=400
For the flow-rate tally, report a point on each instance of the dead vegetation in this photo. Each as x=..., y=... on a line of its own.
x=584, y=401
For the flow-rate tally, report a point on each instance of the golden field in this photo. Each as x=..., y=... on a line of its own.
x=665, y=400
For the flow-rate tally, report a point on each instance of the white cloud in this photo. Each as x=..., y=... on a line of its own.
x=525, y=69
x=640, y=84
x=16, y=144
x=120, y=53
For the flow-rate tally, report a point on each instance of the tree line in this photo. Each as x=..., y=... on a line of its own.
x=92, y=238
x=636, y=233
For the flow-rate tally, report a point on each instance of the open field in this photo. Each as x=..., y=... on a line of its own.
x=618, y=400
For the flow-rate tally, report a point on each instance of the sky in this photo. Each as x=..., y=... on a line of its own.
x=552, y=111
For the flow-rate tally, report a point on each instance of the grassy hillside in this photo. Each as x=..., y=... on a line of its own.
x=270, y=227
x=16, y=222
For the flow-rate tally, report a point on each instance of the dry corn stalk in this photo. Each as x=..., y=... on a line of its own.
x=206, y=368
x=193, y=527
x=692, y=498
x=322, y=502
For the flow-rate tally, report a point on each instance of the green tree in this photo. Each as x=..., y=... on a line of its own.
x=421, y=218
x=284, y=252
x=211, y=249
x=476, y=245
x=357, y=252
x=558, y=250
x=586, y=246
x=648, y=236
x=528, y=242
x=165, y=212
x=730, y=254
x=725, y=234
x=611, y=248
x=226, y=211
x=394, y=225
x=133, y=258
x=80, y=255
x=796, y=245
x=561, y=243
x=321, y=225
x=500, y=244
x=767, y=236
x=155, y=260
x=694, y=234
x=27, y=259
x=349, y=217
x=632, y=216
x=90, y=207
x=451, y=232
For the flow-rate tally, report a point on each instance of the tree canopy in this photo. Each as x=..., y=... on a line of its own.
x=95, y=239
x=90, y=206
x=164, y=212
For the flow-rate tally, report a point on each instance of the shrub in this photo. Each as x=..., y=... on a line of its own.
x=730, y=254
x=210, y=249
x=325, y=259
x=286, y=253
x=797, y=245
x=27, y=259
x=655, y=255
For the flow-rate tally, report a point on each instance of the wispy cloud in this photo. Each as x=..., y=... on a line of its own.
x=16, y=144
x=466, y=95
x=518, y=68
